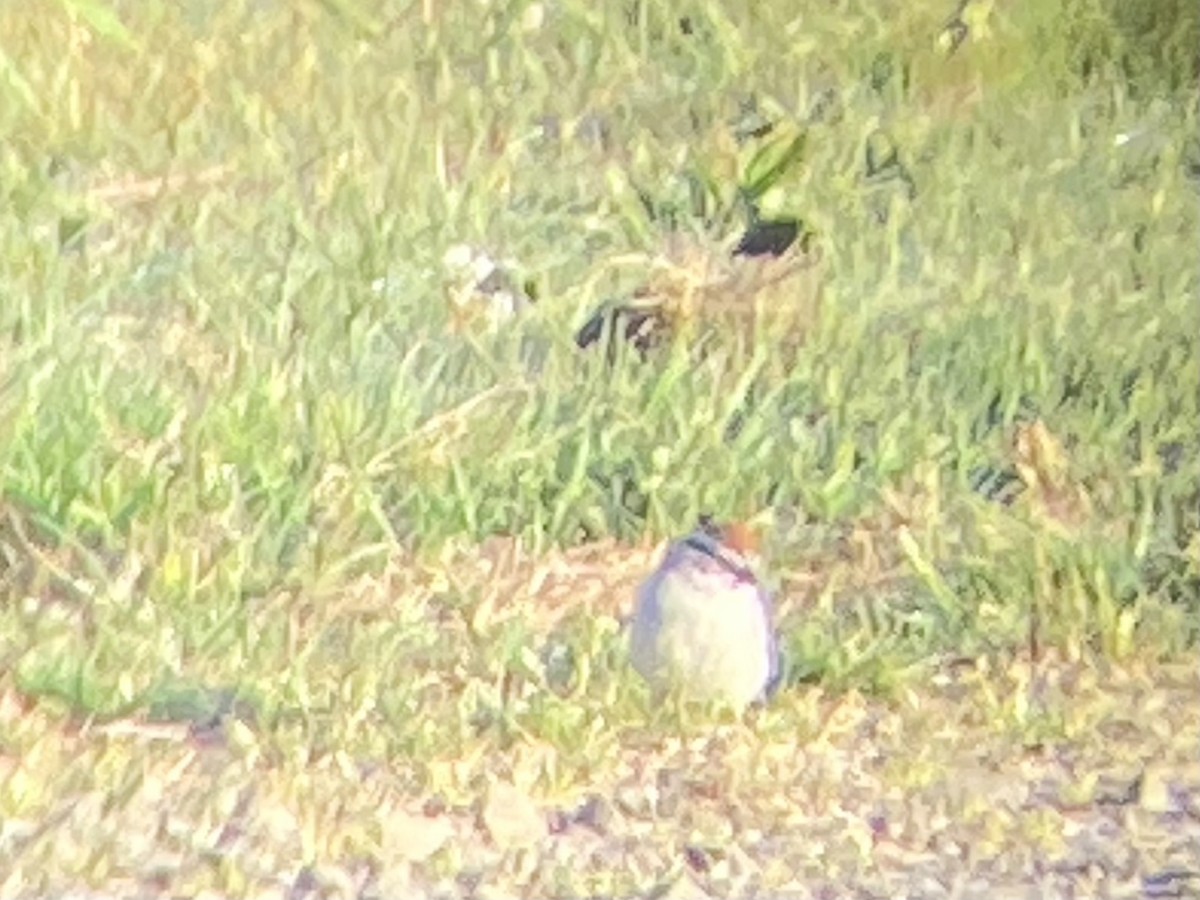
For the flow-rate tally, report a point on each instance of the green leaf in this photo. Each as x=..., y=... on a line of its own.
x=772, y=162
x=23, y=89
x=101, y=19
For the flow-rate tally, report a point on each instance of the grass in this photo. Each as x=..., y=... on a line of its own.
x=301, y=561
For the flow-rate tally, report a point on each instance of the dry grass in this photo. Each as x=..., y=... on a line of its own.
x=315, y=552
x=946, y=784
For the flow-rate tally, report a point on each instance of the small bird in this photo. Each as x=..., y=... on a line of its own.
x=772, y=277
x=703, y=620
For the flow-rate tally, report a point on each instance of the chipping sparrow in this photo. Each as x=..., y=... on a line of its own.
x=703, y=620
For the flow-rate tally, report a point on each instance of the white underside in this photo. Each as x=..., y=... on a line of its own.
x=707, y=636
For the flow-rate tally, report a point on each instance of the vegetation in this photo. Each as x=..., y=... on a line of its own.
x=313, y=567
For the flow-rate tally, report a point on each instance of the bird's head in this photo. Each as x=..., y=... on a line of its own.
x=734, y=545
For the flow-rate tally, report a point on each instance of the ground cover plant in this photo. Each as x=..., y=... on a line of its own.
x=318, y=527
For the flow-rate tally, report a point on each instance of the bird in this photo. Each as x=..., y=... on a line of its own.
x=703, y=620
x=695, y=290
x=771, y=237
